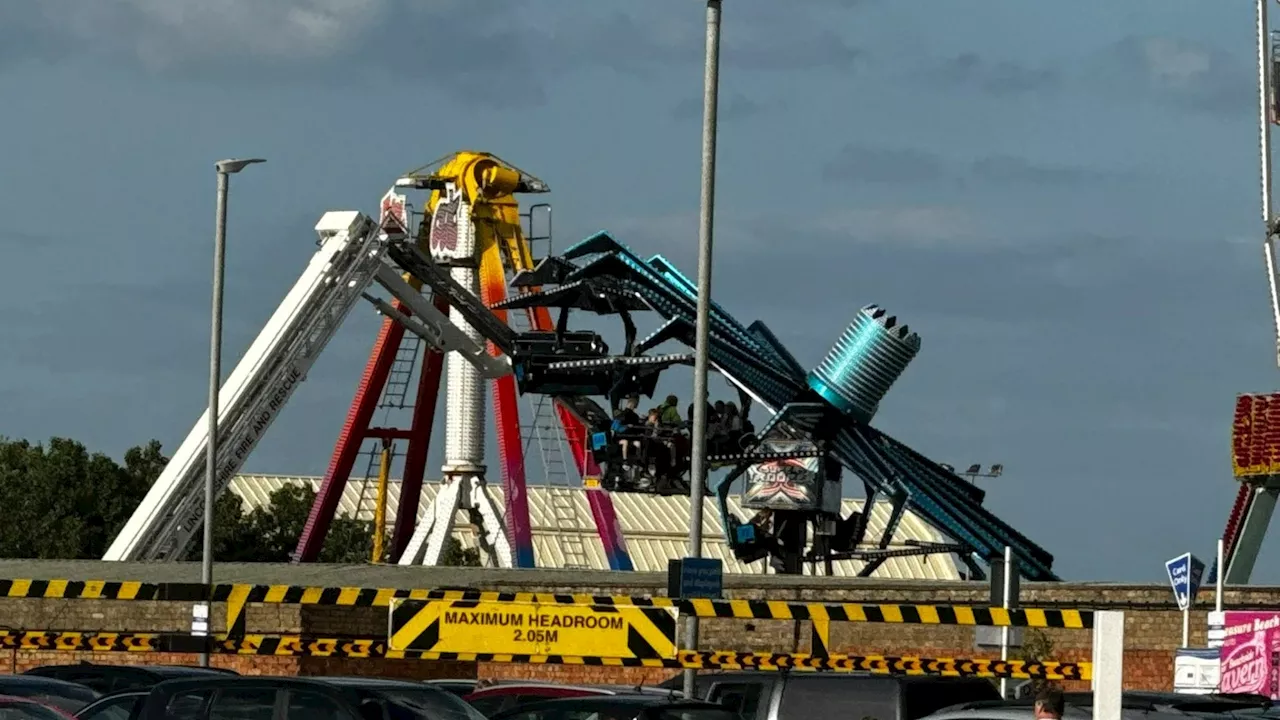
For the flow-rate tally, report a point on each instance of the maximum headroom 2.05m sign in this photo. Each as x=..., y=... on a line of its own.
x=466, y=627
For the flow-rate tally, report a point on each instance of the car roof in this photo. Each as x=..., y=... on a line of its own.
x=366, y=681
x=587, y=702
x=36, y=680
x=219, y=680
x=507, y=688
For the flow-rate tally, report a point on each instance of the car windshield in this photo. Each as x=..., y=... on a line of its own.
x=68, y=697
x=10, y=710
x=428, y=702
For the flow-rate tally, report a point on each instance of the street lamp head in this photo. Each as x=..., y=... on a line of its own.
x=233, y=165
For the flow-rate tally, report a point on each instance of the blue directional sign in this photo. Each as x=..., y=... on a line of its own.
x=695, y=578
x=1185, y=573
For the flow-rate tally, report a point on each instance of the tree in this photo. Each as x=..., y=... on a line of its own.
x=270, y=534
x=1037, y=646
x=455, y=555
x=63, y=502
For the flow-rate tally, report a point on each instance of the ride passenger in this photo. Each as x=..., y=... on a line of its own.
x=671, y=411
x=656, y=447
x=625, y=422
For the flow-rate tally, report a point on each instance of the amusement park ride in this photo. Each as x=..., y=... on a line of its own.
x=1255, y=432
x=448, y=274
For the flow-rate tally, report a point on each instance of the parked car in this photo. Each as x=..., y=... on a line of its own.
x=108, y=679
x=458, y=687
x=1133, y=704
x=422, y=699
x=17, y=708
x=65, y=696
x=648, y=706
x=116, y=706
x=1021, y=710
x=761, y=695
x=285, y=698
x=501, y=697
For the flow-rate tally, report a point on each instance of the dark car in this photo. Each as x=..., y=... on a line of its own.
x=215, y=697
x=423, y=700
x=457, y=686
x=499, y=698
x=116, y=706
x=618, y=707
x=114, y=678
x=16, y=708
x=66, y=696
x=760, y=695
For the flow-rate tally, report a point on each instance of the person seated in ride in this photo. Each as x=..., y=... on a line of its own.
x=715, y=429
x=656, y=448
x=625, y=423
x=731, y=426
x=671, y=412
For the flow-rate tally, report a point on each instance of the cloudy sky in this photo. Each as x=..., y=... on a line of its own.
x=1060, y=197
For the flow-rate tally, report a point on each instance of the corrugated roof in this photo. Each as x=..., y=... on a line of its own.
x=656, y=527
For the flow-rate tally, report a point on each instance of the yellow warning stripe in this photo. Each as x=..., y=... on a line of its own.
x=302, y=646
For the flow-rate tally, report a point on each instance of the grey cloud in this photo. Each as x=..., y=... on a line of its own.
x=492, y=52
x=971, y=71
x=906, y=166
x=860, y=163
x=1177, y=72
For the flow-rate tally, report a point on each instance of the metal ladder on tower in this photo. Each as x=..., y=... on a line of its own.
x=562, y=495
x=394, y=397
x=544, y=429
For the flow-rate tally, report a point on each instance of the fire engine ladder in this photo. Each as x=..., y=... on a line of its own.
x=350, y=254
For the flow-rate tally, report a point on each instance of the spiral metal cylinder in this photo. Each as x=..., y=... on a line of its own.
x=465, y=388
x=866, y=359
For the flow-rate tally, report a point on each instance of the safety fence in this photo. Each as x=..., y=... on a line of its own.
x=538, y=628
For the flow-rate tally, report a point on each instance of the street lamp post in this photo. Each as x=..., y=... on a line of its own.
x=702, y=330
x=225, y=169
x=975, y=471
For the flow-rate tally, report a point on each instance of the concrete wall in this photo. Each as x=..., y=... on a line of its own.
x=1153, y=624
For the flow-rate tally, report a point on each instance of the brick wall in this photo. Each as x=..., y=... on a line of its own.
x=1153, y=624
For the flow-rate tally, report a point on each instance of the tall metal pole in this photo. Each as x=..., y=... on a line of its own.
x=701, y=363
x=1220, y=584
x=224, y=168
x=1007, y=600
x=215, y=380
x=1264, y=164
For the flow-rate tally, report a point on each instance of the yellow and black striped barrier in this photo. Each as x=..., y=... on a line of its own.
x=460, y=625
x=357, y=648
x=237, y=596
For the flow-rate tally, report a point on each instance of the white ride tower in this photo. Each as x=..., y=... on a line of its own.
x=453, y=245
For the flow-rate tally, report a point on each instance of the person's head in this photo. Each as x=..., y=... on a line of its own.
x=730, y=410
x=672, y=401
x=654, y=416
x=720, y=406
x=1049, y=703
x=632, y=402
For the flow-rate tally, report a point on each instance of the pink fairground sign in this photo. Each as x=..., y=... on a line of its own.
x=1251, y=654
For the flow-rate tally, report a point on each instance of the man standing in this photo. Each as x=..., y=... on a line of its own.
x=1049, y=704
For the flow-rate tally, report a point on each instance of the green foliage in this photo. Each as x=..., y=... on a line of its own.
x=455, y=555
x=1037, y=646
x=62, y=502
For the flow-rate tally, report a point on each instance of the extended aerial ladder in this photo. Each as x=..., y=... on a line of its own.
x=351, y=257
